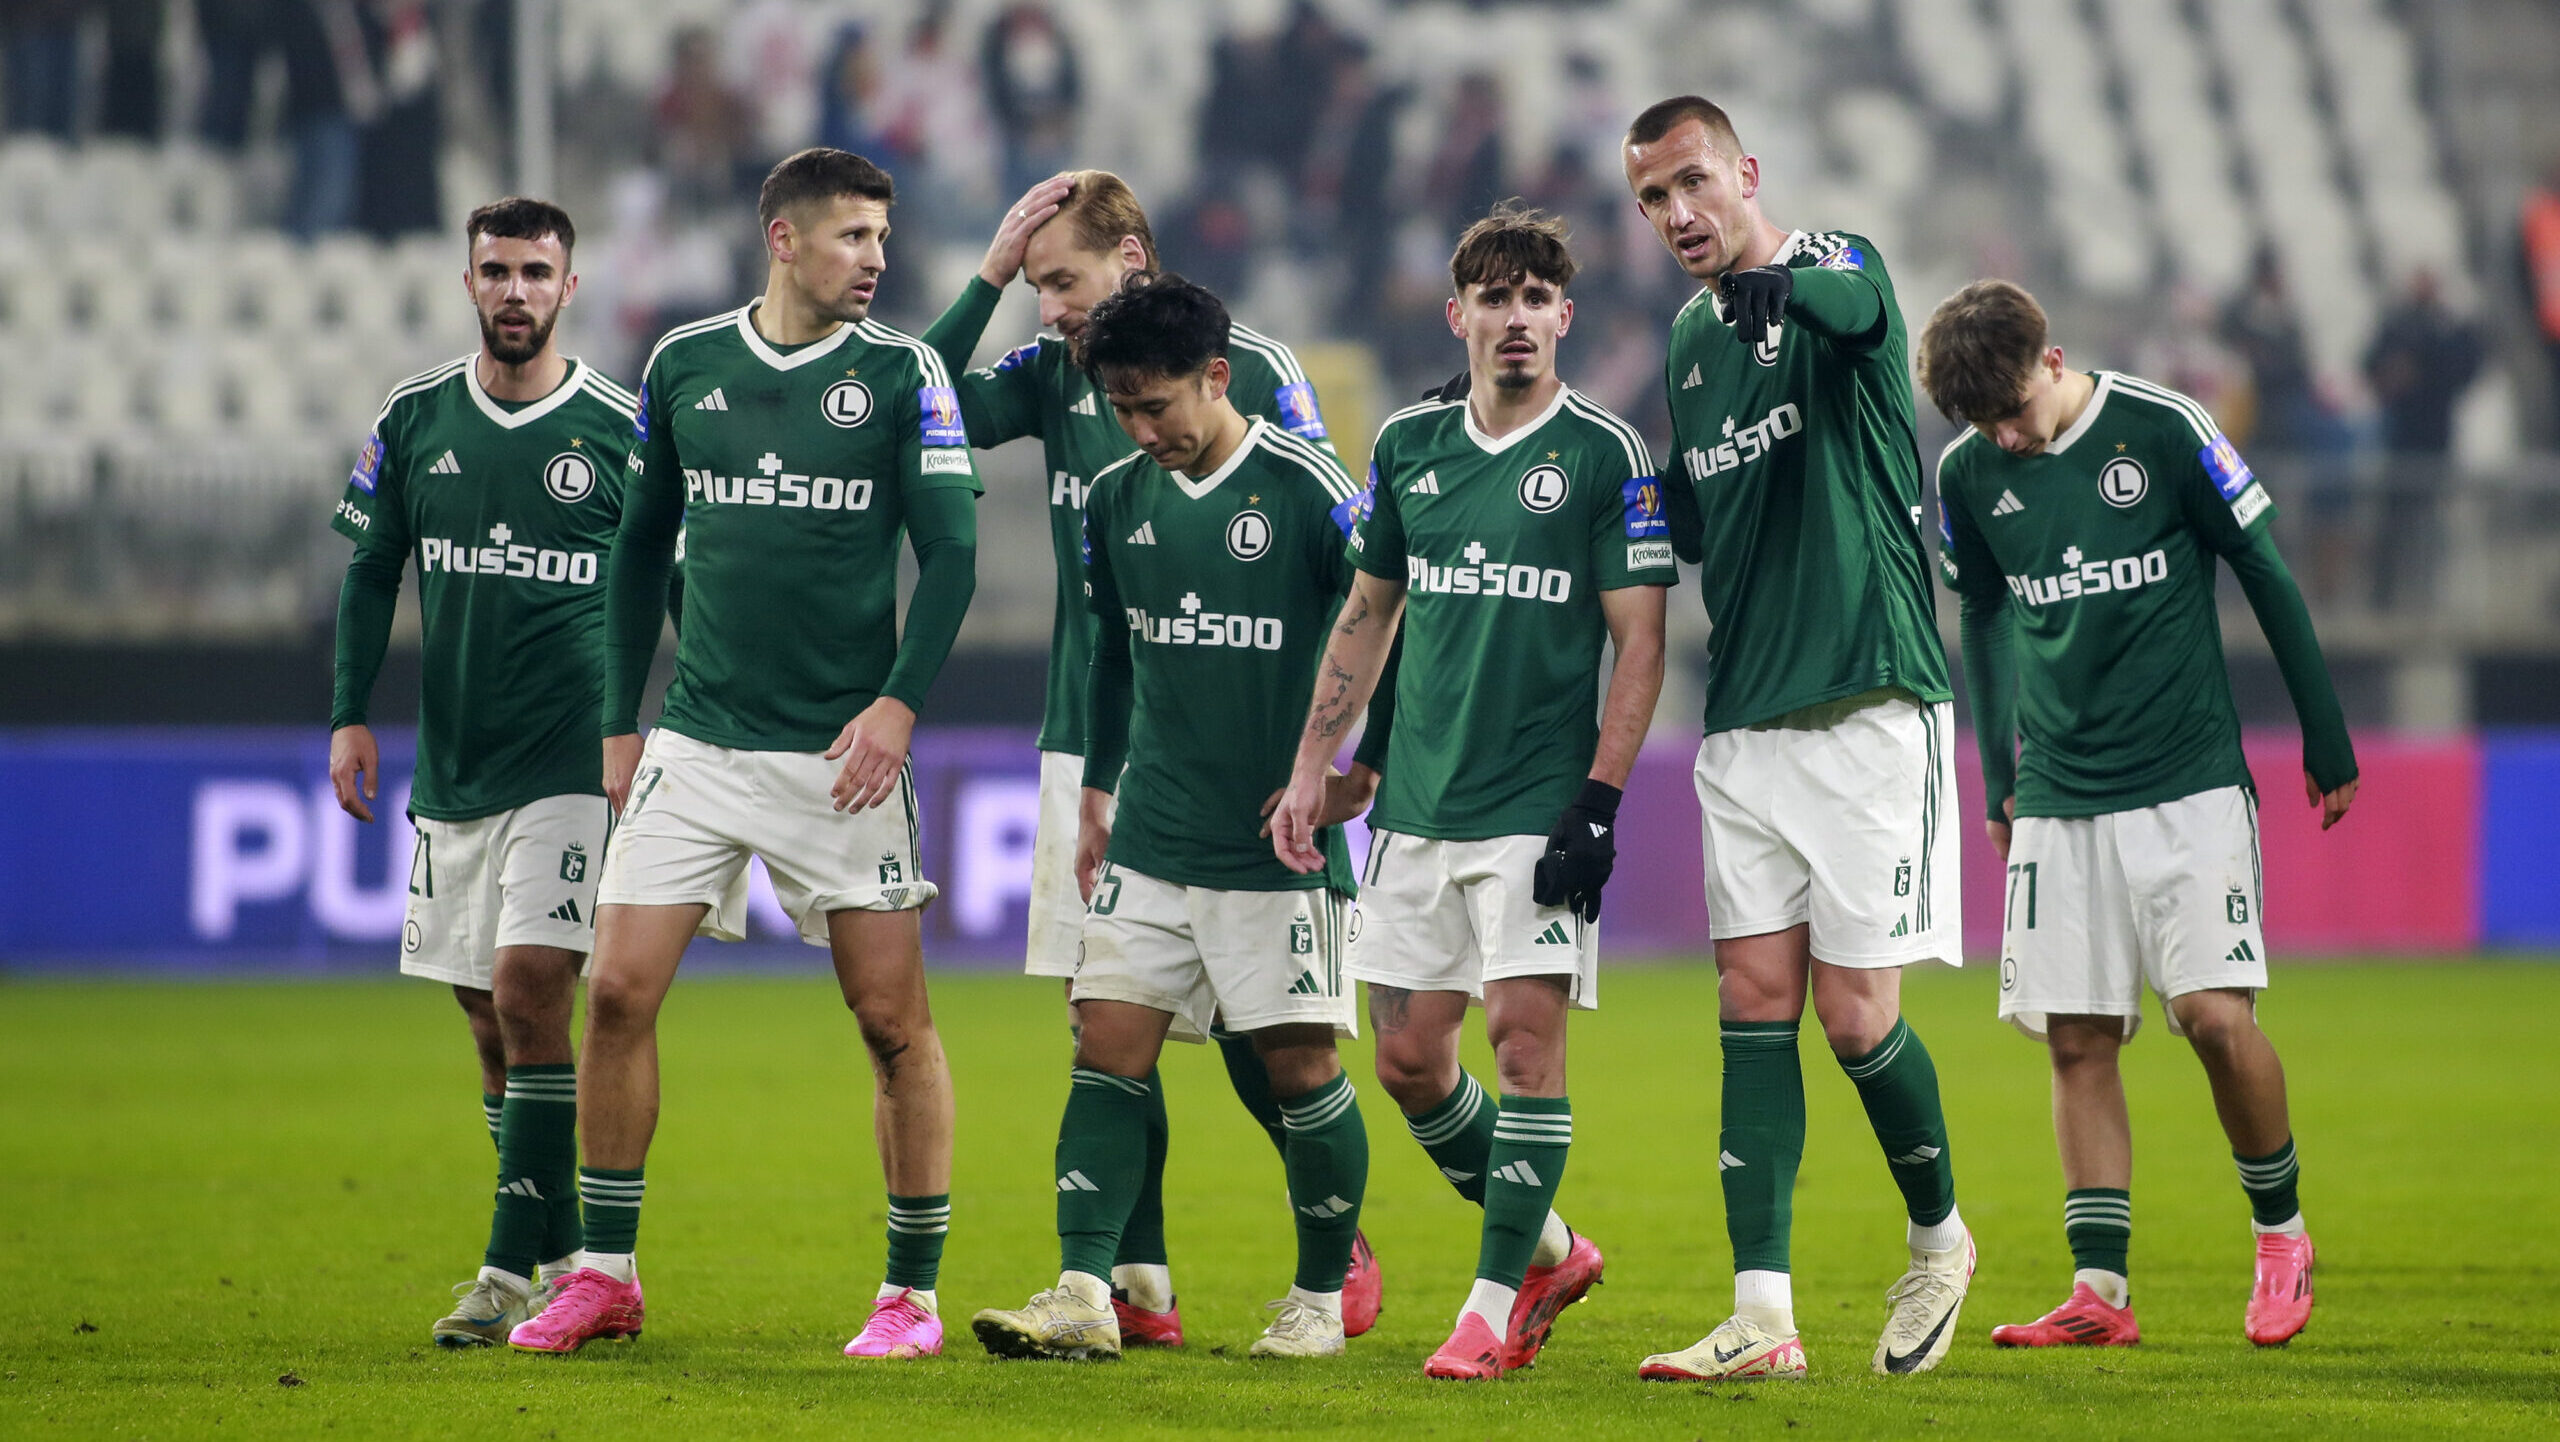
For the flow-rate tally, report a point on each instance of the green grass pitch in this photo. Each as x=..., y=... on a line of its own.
x=233, y=1210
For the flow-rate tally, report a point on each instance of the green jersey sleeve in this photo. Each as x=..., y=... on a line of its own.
x=933, y=441
x=2223, y=499
x=1376, y=536
x=1630, y=532
x=643, y=556
x=371, y=512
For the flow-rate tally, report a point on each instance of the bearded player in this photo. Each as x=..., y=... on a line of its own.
x=499, y=476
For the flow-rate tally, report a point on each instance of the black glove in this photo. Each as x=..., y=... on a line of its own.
x=1581, y=852
x=1754, y=299
x=1453, y=389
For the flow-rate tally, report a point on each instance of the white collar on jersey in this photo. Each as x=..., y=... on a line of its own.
x=1493, y=447
x=2088, y=416
x=1203, y=486
x=805, y=354
x=511, y=419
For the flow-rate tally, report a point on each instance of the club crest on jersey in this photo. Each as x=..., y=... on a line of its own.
x=2123, y=482
x=1642, y=497
x=570, y=477
x=1248, y=535
x=1544, y=488
x=368, y=472
x=847, y=403
x=1765, y=350
x=940, y=406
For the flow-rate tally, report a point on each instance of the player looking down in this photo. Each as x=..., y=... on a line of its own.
x=796, y=441
x=2083, y=513
x=499, y=474
x=1825, y=780
x=1078, y=239
x=1214, y=557
x=1508, y=534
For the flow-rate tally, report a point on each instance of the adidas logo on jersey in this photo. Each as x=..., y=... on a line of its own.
x=1306, y=985
x=567, y=911
x=1429, y=485
x=1554, y=935
x=1694, y=380
x=2008, y=504
x=1145, y=535
x=1519, y=1173
x=1077, y=1182
x=1085, y=407
x=1901, y=926
x=446, y=465
x=2244, y=952
x=712, y=402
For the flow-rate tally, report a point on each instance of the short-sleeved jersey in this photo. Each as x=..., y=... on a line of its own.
x=1228, y=585
x=1806, y=467
x=795, y=467
x=1036, y=390
x=508, y=512
x=2104, y=545
x=1503, y=547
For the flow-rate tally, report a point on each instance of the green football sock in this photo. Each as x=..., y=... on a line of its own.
x=537, y=1170
x=1142, y=1238
x=1102, y=1161
x=493, y=1110
x=1328, y=1162
x=917, y=1226
x=2270, y=1182
x=1252, y=1081
x=2098, y=1222
x=1761, y=1142
x=1531, y=1136
x=1899, y=1085
x=1458, y=1136
x=612, y=1208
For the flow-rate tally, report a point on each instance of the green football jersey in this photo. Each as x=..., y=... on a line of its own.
x=1807, y=475
x=1504, y=547
x=795, y=467
x=1036, y=390
x=1228, y=586
x=2104, y=544
x=508, y=512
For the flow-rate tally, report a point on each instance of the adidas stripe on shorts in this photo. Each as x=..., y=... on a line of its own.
x=1247, y=959
x=1452, y=915
x=525, y=877
x=2097, y=907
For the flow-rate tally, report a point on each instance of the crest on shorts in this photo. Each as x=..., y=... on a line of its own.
x=412, y=936
x=573, y=862
x=1902, y=877
x=1302, y=937
x=892, y=870
x=2236, y=907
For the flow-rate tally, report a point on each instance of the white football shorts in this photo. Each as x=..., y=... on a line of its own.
x=2097, y=906
x=698, y=811
x=525, y=877
x=1246, y=959
x=1452, y=915
x=1842, y=817
x=1057, y=905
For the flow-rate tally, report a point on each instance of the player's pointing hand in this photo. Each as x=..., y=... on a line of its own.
x=873, y=746
x=1754, y=299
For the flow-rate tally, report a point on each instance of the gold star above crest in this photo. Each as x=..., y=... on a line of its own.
x=1253, y=500
x=577, y=441
x=851, y=371
x=1551, y=455
x=2119, y=448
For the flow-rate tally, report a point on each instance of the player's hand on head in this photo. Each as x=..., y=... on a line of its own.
x=1013, y=235
x=2333, y=804
x=873, y=747
x=353, y=754
x=621, y=764
x=1754, y=300
x=1581, y=853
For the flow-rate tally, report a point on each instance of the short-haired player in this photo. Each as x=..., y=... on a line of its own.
x=499, y=476
x=1826, y=782
x=1214, y=557
x=1510, y=535
x=797, y=442
x=2083, y=513
x=1077, y=239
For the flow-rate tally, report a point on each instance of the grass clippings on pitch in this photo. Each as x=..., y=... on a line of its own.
x=233, y=1210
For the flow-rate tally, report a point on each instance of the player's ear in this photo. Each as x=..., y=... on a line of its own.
x=569, y=289
x=1214, y=379
x=1564, y=317
x=1133, y=254
x=1457, y=327
x=781, y=240
x=1749, y=171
